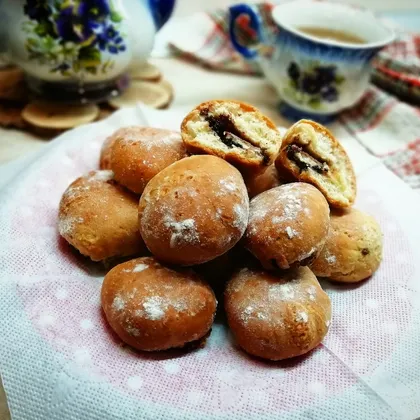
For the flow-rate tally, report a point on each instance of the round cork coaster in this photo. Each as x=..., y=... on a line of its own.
x=47, y=119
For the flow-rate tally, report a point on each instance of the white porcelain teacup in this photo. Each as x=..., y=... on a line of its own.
x=315, y=77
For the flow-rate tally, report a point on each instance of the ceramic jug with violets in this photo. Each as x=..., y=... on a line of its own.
x=80, y=49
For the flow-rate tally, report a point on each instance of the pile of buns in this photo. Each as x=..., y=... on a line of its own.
x=228, y=204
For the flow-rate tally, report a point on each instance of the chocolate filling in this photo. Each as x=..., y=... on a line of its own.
x=293, y=151
x=223, y=126
x=365, y=251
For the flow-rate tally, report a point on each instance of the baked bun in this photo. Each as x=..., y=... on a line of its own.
x=288, y=225
x=234, y=131
x=353, y=250
x=105, y=156
x=99, y=217
x=277, y=316
x=194, y=210
x=258, y=183
x=310, y=153
x=153, y=307
x=139, y=153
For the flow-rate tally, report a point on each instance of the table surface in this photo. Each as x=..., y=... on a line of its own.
x=187, y=80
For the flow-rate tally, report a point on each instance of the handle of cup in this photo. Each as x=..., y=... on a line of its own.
x=161, y=11
x=247, y=19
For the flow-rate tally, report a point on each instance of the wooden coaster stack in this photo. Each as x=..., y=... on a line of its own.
x=47, y=119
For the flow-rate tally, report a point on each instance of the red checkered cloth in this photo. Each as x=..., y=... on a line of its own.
x=383, y=121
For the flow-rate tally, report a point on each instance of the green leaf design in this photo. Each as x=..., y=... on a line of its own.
x=292, y=83
x=91, y=70
x=28, y=26
x=89, y=57
x=41, y=29
x=76, y=66
x=339, y=79
x=315, y=102
x=116, y=17
x=33, y=42
x=48, y=43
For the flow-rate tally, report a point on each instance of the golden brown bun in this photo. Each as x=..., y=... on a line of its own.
x=234, y=131
x=139, y=153
x=152, y=307
x=288, y=225
x=310, y=153
x=353, y=250
x=258, y=183
x=194, y=210
x=277, y=316
x=105, y=157
x=99, y=217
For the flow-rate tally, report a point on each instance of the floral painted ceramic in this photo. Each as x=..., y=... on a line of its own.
x=314, y=84
x=315, y=78
x=81, y=47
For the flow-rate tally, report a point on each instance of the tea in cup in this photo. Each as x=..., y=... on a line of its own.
x=318, y=58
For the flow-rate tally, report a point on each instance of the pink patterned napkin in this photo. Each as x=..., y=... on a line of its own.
x=60, y=361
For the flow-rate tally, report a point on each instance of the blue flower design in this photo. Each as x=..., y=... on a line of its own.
x=110, y=40
x=310, y=84
x=316, y=82
x=94, y=10
x=70, y=28
x=329, y=93
x=37, y=10
x=78, y=30
x=293, y=71
x=325, y=75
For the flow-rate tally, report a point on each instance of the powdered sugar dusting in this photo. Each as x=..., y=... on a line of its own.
x=312, y=292
x=228, y=185
x=307, y=254
x=148, y=137
x=140, y=267
x=184, y=231
x=67, y=224
x=241, y=217
x=73, y=192
x=272, y=201
x=250, y=312
x=291, y=233
x=118, y=303
x=331, y=259
x=135, y=332
x=154, y=308
x=301, y=316
x=281, y=291
x=258, y=213
x=158, y=140
x=105, y=175
x=247, y=313
x=292, y=208
x=181, y=305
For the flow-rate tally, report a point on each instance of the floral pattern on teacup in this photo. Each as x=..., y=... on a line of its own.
x=313, y=84
x=72, y=36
